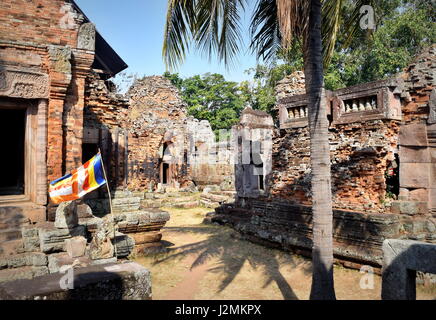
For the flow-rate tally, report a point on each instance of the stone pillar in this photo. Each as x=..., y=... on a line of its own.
x=73, y=111
x=401, y=260
x=414, y=170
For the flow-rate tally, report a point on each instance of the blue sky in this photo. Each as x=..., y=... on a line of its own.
x=134, y=28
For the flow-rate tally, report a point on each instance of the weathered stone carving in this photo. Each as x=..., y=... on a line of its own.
x=18, y=83
x=86, y=37
x=60, y=57
x=101, y=246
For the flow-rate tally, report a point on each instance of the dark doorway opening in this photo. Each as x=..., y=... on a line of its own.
x=165, y=172
x=393, y=178
x=257, y=163
x=261, y=184
x=12, y=133
x=89, y=150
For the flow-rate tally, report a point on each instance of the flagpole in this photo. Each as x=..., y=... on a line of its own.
x=110, y=200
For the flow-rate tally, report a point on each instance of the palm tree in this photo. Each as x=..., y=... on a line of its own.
x=214, y=27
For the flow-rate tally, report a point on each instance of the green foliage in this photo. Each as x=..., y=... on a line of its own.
x=402, y=32
x=404, y=28
x=210, y=97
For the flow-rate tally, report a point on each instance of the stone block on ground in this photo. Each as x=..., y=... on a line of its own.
x=124, y=245
x=58, y=260
x=140, y=221
x=23, y=260
x=146, y=237
x=104, y=261
x=84, y=211
x=76, y=247
x=27, y=272
x=53, y=240
x=149, y=249
x=126, y=281
x=66, y=215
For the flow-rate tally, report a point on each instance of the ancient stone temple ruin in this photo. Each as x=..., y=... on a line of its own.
x=59, y=107
x=382, y=146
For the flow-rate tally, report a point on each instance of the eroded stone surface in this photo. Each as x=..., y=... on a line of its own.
x=401, y=260
x=128, y=281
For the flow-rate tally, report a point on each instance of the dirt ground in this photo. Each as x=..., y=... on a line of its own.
x=208, y=262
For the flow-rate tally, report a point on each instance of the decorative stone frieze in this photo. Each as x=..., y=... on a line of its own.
x=21, y=83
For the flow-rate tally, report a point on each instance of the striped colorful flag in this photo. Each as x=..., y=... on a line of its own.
x=79, y=182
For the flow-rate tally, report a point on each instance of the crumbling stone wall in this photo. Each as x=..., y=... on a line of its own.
x=106, y=121
x=157, y=116
x=379, y=132
x=417, y=137
x=360, y=157
x=40, y=22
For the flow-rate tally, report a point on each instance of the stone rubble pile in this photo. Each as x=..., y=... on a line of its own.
x=77, y=238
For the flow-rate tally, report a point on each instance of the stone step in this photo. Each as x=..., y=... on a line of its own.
x=209, y=204
x=11, y=247
x=120, y=281
x=187, y=205
x=28, y=259
x=215, y=198
x=10, y=234
x=7, y=275
x=122, y=194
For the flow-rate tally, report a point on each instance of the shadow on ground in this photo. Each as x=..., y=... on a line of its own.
x=231, y=253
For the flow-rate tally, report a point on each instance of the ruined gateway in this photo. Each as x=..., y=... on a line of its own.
x=55, y=88
x=383, y=151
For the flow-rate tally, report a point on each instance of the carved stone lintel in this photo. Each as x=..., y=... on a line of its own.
x=86, y=37
x=26, y=84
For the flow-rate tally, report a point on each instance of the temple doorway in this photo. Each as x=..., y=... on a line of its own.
x=12, y=162
x=165, y=166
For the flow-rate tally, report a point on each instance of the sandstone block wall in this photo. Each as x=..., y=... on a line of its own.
x=44, y=60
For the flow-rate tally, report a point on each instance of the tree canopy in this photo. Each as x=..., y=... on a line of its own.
x=403, y=29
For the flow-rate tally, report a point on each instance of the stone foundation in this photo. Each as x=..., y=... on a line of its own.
x=358, y=237
x=125, y=281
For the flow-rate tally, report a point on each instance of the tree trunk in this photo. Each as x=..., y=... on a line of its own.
x=322, y=251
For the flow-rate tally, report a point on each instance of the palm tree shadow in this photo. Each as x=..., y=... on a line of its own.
x=231, y=255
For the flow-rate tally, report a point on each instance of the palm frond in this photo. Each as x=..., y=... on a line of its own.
x=352, y=25
x=293, y=19
x=276, y=25
x=331, y=22
x=265, y=30
x=218, y=29
x=180, y=22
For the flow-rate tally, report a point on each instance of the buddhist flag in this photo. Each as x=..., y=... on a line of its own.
x=79, y=182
